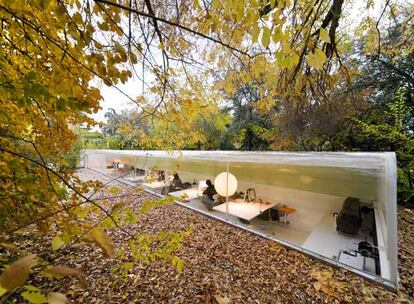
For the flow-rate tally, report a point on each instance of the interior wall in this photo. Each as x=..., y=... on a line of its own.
x=96, y=161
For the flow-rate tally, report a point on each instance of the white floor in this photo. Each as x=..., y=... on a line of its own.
x=325, y=240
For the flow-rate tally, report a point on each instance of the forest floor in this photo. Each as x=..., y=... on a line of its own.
x=223, y=264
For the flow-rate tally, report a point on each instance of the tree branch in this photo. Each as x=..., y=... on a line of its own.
x=174, y=24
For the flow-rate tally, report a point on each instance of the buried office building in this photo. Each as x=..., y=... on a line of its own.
x=339, y=207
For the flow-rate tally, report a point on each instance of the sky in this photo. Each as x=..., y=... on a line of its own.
x=114, y=99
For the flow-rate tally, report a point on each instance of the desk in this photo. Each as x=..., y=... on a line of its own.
x=187, y=194
x=137, y=178
x=156, y=185
x=286, y=211
x=245, y=210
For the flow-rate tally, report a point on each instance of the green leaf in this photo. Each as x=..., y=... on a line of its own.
x=57, y=243
x=60, y=104
x=324, y=35
x=266, y=37
x=17, y=273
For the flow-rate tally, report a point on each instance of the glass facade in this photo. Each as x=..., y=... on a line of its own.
x=337, y=206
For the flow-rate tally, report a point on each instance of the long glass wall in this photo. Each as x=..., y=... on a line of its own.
x=329, y=208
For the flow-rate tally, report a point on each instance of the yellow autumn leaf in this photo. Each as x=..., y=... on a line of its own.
x=295, y=59
x=266, y=37
x=133, y=58
x=100, y=238
x=197, y=4
x=2, y=290
x=324, y=35
x=33, y=295
x=255, y=32
x=114, y=190
x=316, y=59
x=57, y=243
x=119, y=48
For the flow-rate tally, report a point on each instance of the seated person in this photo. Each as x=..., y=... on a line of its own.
x=177, y=184
x=209, y=196
x=176, y=181
x=161, y=176
x=210, y=191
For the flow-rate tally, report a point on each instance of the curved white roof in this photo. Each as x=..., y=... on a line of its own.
x=357, y=160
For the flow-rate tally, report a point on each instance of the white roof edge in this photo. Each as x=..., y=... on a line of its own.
x=358, y=160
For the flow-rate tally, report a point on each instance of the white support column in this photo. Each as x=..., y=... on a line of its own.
x=135, y=169
x=227, y=192
x=391, y=214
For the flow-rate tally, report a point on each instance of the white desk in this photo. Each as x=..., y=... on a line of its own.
x=245, y=210
x=138, y=178
x=156, y=184
x=187, y=194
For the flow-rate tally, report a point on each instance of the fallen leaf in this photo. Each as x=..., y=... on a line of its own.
x=329, y=291
x=17, y=273
x=222, y=300
x=56, y=298
x=10, y=247
x=317, y=286
x=62, y=271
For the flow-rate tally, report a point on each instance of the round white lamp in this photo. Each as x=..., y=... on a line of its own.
x=225, y=184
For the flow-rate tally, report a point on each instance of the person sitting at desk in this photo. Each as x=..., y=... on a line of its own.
x=177, y=184
x=210, y=191
x=161, y=176
x=208, y=198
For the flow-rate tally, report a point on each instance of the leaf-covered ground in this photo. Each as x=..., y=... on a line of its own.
x=223, y=265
